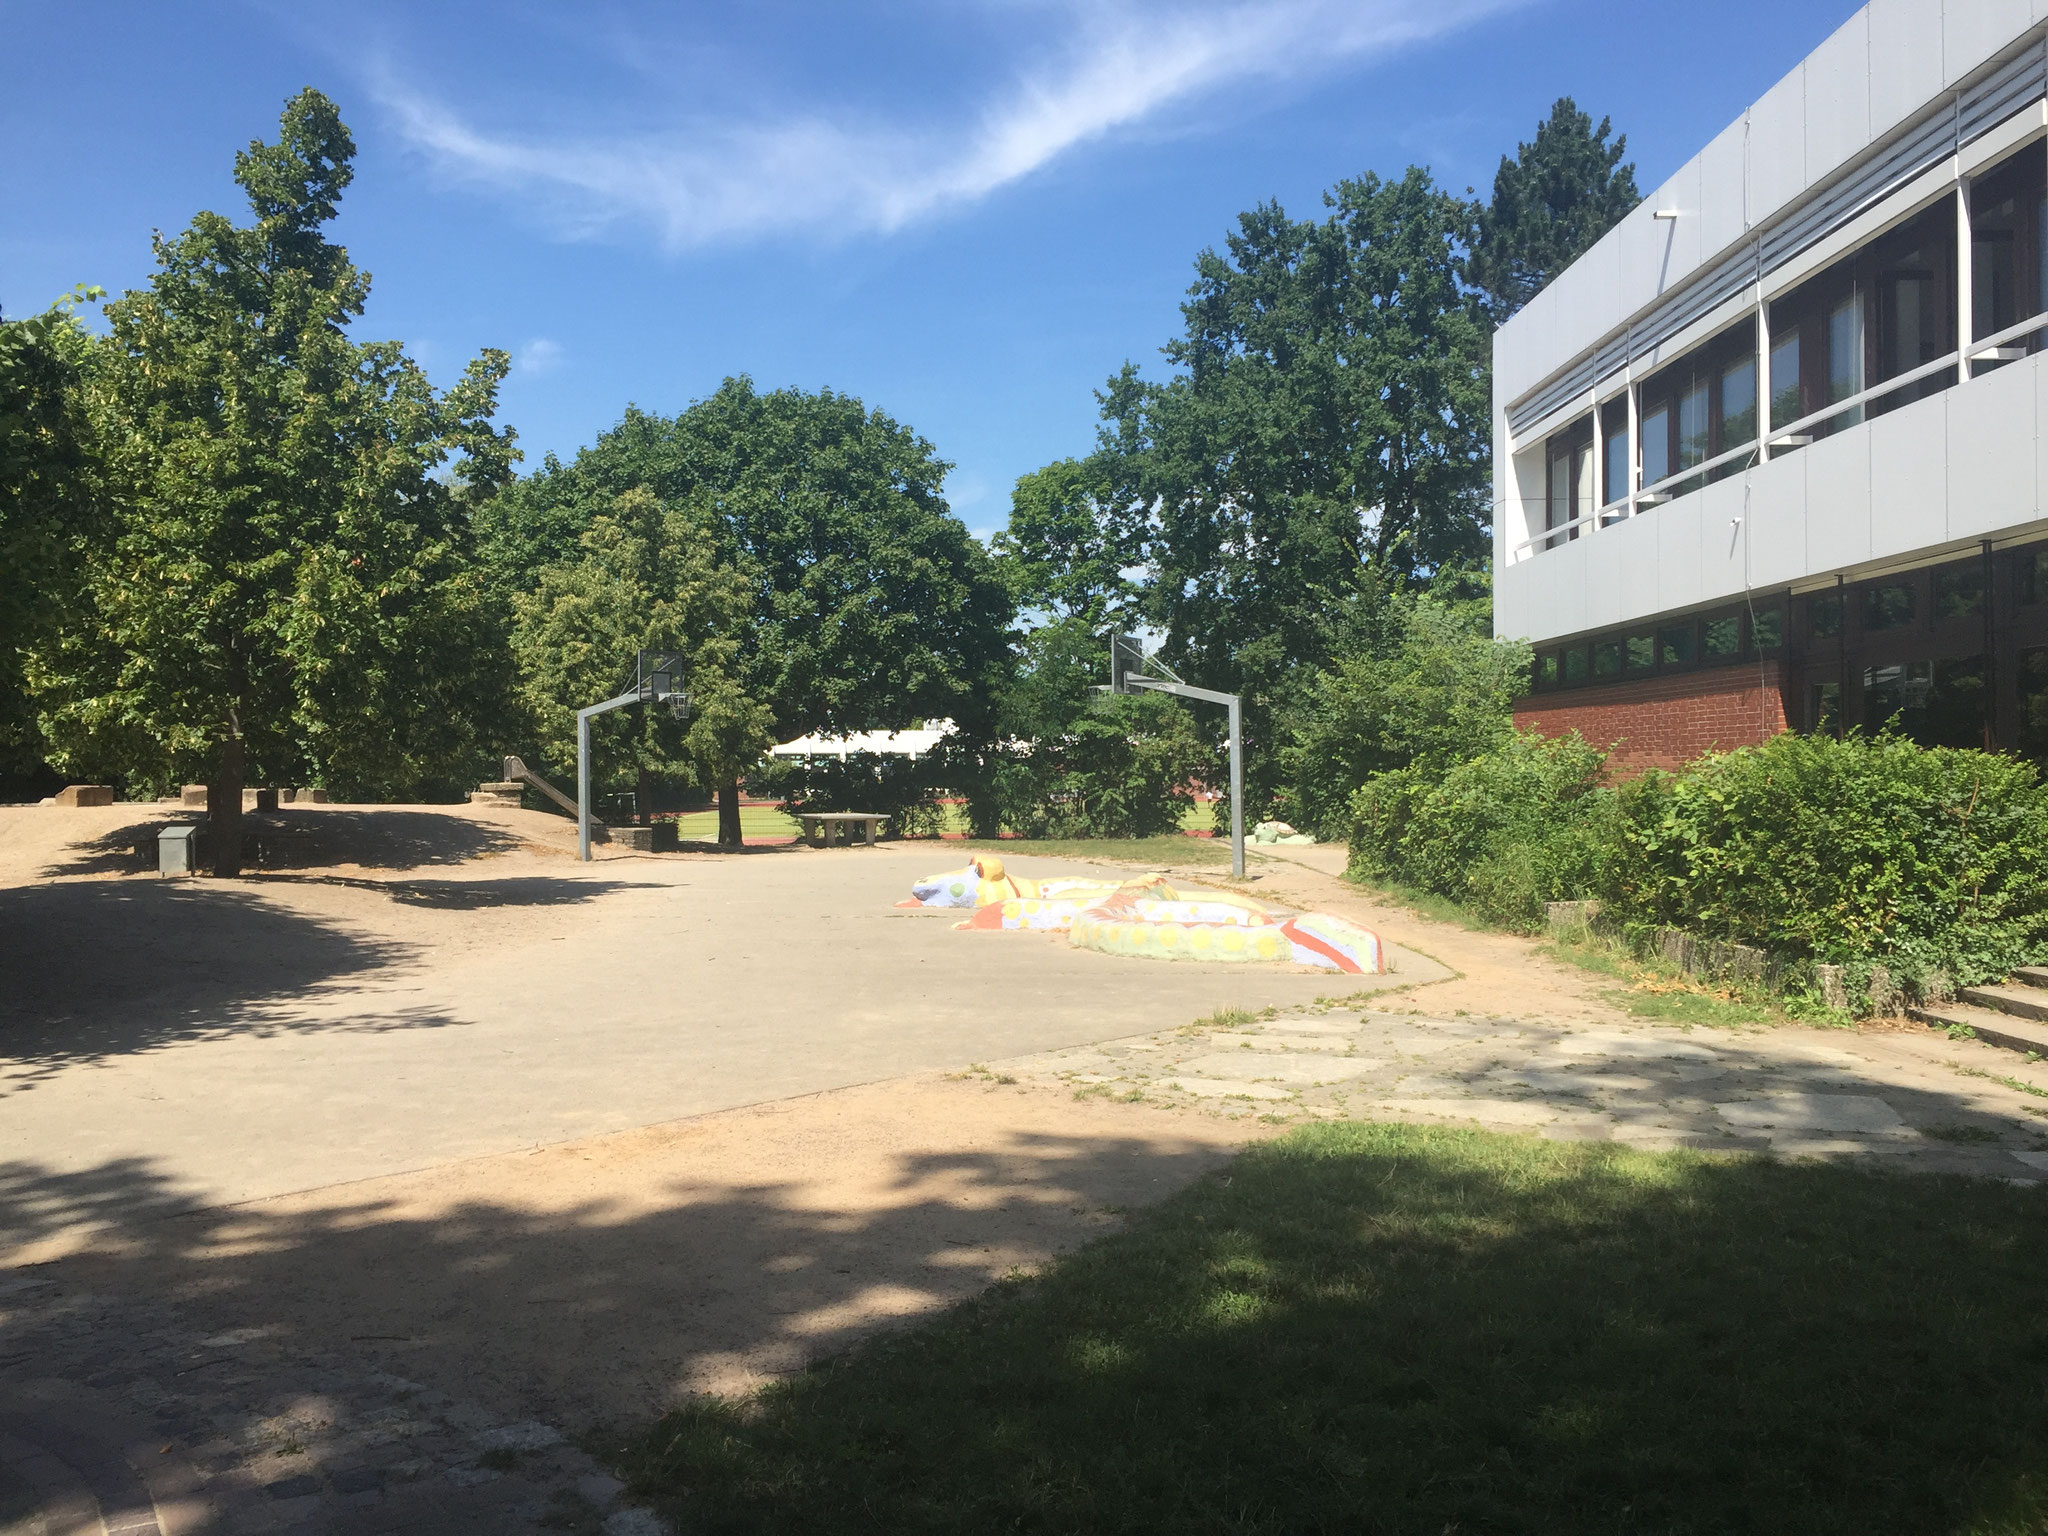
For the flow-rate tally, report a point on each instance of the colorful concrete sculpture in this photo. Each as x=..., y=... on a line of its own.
x=1147, y=917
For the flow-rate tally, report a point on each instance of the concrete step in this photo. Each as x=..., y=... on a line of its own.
x=2021, y=1002
x=2031, y=975
x=1991, y=1026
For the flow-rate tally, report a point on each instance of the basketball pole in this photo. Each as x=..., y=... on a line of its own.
x=1126, y=654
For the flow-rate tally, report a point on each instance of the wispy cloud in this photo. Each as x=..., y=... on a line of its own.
x=538, y=356
x=1110, y=66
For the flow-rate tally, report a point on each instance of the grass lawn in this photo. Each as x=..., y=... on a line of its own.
x=755, y=821
x=1385, y=1328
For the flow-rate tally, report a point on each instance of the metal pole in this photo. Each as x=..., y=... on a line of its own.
x=1236, y=791
x=583, y=786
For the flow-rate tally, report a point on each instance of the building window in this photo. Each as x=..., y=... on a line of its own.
x=1767, y=629
x=2033, y=681
x=1845, y=359
x=1787, y=403
x=1674, y=645
x=1721, y=637
x=1824, y=709
x=1958, y=591
x=1888, y=606
x=2006, y=272
x=1571, y=481
x=2034, y=577
x=1824, y=615
x=1606, y=658
x=1546, y=670
x=1639, y=653
x=1575, y=665
x=1935, y=703
x=1656, y=444
x=1614, y=448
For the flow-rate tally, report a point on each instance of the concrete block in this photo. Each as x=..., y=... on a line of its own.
x=504, y=792
x=259, y=799
x=85, y=794
x=312, y=797
x=193, y=797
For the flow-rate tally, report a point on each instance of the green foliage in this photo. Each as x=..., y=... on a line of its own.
x=1431, y=688
x=46, y=498
x=289, y=583
x=1073, y=533
x=1550, y=203
x=1073, y=762
x=1325, y=440
x=1921, y=859
x=1501, y=833
x=646, y=578
x=867, y=604
x=1124, y=766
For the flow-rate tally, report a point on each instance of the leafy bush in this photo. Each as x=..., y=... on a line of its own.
x=1503, y=832
x=1123, y=767
x=1923, y=859
x=1432, y=690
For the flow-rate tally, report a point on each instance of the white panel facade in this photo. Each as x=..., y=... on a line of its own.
x=1719, y=195
x=1905, y=60
x=1909, y=477
x=1992, y=474
x=1777, y=147
x=1775, y=527
x=1975, y=31
x=1906, y=486
x=1838, y=98
x=1837, y=475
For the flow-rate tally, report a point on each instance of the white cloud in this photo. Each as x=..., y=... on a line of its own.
x=538, y=356
x=1117, y=65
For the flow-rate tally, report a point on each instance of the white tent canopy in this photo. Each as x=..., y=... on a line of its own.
x=909, y=743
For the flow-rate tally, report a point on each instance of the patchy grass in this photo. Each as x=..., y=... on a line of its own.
x=2018, y=1084
x=1656, y=989
x=1150, y=852
x=1397, y=1328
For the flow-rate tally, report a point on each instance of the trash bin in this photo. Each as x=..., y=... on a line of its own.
x=177, y=851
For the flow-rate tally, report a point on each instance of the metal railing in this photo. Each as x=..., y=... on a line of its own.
x=1655, y=494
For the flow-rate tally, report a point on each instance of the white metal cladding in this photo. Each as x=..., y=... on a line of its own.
x=2018, y=83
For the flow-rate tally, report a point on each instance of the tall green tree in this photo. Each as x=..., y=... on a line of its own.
x=1325, y=441
x=46, y=499
x=869, y=605
x=1077, y=532
x=646, y=577
x=289, y=588
x=1551, y=201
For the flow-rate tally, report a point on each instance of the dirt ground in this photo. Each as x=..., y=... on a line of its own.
x=359, y=1182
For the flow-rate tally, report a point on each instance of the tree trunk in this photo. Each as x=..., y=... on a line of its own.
x=729, y=814
x=224, y=809
x=643, y=799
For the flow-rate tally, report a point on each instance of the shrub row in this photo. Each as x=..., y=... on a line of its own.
x=1854, y=852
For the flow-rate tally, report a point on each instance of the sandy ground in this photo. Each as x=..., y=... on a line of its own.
x=383, y=1159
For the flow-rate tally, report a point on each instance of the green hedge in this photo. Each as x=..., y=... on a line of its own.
x=1926, y=860
x=1922, y=858
x=1503, y=832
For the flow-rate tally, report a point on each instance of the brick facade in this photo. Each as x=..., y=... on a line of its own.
x=1663, y=722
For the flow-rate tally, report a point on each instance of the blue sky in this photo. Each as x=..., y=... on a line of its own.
x=967, y=213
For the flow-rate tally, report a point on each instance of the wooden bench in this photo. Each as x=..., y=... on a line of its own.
x=824, y=821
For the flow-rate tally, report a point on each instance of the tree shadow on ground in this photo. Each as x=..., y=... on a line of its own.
x=293, y=838
x=100, y=968
x=1358, y=1328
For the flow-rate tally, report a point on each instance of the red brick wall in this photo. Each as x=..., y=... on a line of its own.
x=1662, y=722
